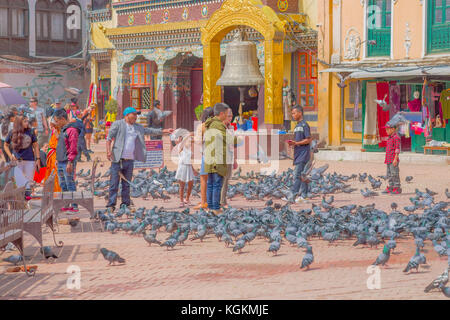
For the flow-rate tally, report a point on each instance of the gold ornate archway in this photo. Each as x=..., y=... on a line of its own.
x=254, y=14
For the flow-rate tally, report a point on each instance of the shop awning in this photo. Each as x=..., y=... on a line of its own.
x=395, y=72
x=392, y=72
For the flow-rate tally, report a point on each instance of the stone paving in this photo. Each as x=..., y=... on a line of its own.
x=208, y=270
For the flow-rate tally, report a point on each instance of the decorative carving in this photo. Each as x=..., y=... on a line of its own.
x=282, y=5
x=352, y=44
x=407, y=40
x=335, y=58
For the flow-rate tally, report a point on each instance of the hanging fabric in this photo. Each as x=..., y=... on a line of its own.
x=394, y=98
x=382, y=116
x=445, y=103
x=357, y=100
x=370, y=136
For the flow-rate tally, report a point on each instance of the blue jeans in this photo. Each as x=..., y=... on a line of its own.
x=214, y=187
x=66, y=180
x=299, y=187
x=126, y=167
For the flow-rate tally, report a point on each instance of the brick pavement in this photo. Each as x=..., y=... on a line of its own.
x=208, y=270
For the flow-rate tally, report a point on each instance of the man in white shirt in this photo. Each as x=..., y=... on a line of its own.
x=129, y=145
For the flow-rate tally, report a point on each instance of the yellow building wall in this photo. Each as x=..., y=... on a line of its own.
x=287, y=58
x=348, y=125
x=310, y=8
x=408, y=12
x=352, y=13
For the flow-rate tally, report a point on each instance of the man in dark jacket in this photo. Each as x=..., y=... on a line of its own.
x=66, y=152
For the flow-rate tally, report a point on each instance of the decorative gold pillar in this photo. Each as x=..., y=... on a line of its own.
x=211, y=73
x=273, y=86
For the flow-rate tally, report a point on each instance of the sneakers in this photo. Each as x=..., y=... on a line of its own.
x=388, y=190
x=397, y=191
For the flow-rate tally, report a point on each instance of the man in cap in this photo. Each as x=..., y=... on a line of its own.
x=42, y=126
x=128, y=146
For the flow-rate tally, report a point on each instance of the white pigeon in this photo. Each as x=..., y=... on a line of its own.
x=383, y=104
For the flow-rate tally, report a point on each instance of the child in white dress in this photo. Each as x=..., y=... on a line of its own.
x=185, y=172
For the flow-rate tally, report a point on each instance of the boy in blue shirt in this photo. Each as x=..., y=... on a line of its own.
x=302, y=152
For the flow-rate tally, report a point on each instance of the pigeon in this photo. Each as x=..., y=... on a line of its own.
x=446, y=291
x=151, y=238
x=308, y=258
x=383, y=103
x=111, y=256
x=413, y=262
x=48, y=253
x=200, y=235
x=439, y=282
x=368, y=193
x=274, y=247
x=383, y=257
x=440, y=250
x=169, y=243
x=14, y=259
x=239, y=245
x=408, y=179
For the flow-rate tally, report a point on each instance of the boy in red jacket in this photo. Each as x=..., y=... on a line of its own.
x=392, y=160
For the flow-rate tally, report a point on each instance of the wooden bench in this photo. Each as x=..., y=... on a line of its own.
x=41, y=213
x=12, y=205
x=426, y=148
x=82, y=198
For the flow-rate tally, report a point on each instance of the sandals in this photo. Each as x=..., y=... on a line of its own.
x=201, y=206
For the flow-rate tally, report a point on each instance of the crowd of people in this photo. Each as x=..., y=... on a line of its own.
x=41, y=143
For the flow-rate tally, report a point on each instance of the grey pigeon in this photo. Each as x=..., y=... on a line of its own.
x=413, y=262
x=48, y=253
x=239, y=245
x=383, y=258
x=151, y=238
x=274, y=247
x=439, y=282
x=308, y=258
x=111, y=256
x=14, y=259
x=446, y=291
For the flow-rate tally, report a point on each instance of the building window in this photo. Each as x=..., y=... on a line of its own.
x=379, y=28
x=53, y=38
x=141, y=82
x=13, y=18
x=57, y=21
x=14, y=27
x=3, y=22
x=100, y=4
x=307, y=80
x=438, y=25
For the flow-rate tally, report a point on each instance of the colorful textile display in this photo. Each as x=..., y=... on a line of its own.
x=382, y=116
x=394, y=98
x=370, y=136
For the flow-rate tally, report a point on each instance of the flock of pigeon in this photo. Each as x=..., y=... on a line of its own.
x=280, y=224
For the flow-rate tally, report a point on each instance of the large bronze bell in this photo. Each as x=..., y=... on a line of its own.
x=241, y=64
